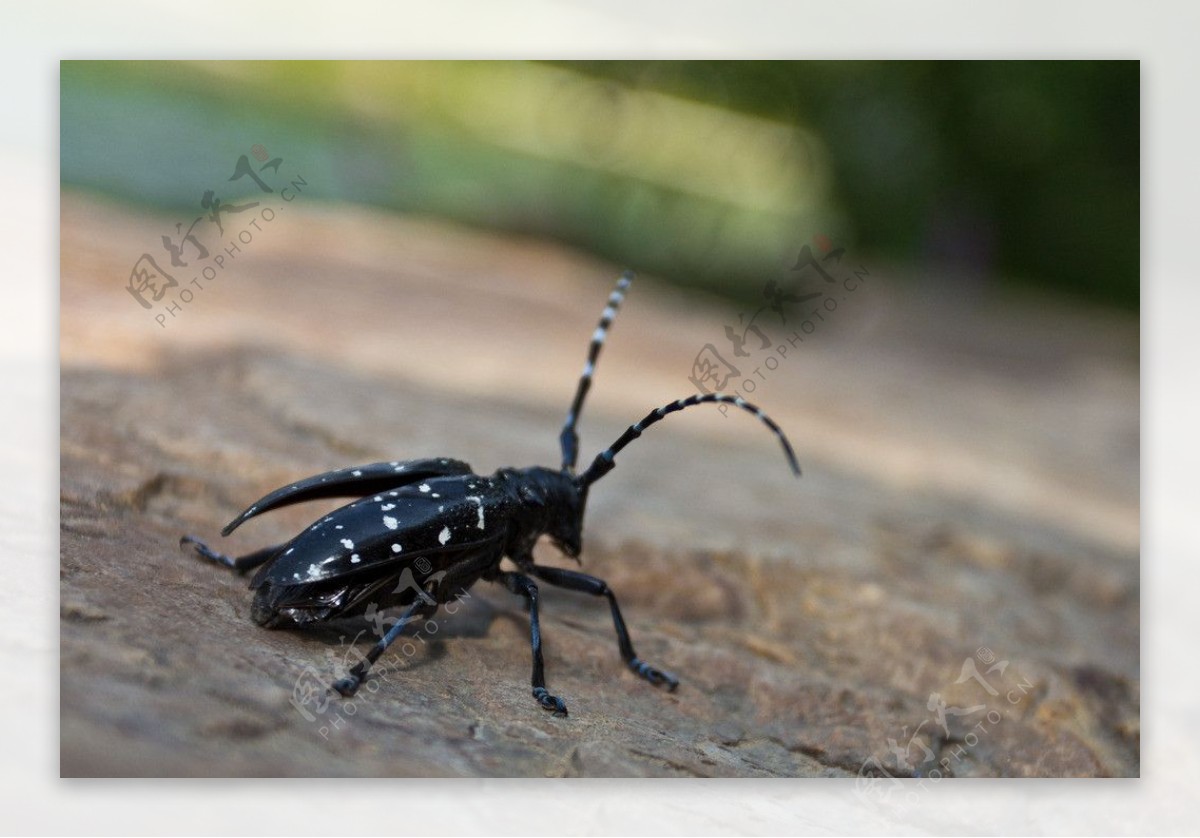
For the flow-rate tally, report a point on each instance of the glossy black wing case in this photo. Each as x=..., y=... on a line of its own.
x=350, y=482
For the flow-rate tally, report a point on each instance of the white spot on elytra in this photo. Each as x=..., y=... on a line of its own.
x=313, y=571
x=435, y=495
x=388, y=506
x=424, y=487
x=389, y=522
x=394, y=463
x=479, y=501
x=348, y=544
x=289, y=550
x=338, y=527
x=396, y=548
x=354, y=559
x=356, y=473
x=378, y=498
x=444, y=535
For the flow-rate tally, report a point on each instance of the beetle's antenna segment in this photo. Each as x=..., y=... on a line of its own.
x=603, y=463
x=569, y=439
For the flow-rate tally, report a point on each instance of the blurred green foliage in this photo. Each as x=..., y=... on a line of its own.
x=1042, y=155
x=712, y=174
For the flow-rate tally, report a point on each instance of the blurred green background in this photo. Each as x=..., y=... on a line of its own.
x=709, y=174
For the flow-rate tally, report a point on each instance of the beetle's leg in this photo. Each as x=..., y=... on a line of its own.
x=523, y=585
x=349, y=685
x=576, y=581
x=240, y=564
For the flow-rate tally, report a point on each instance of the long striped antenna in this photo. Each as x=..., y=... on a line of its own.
x=569, y=439
x=603, y=463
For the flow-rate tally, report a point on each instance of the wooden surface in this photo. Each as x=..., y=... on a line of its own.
x=970, y=492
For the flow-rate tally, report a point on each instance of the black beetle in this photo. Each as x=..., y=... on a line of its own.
x=423, y=531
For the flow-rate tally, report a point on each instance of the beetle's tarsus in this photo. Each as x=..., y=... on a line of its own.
x=238, y=565
x=347, y=686
x=550, y=702
x=205, y=552
x=657, y=677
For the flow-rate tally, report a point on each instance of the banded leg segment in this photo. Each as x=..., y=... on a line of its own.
x=575, y=581
x=523, y=585
x=240, y=564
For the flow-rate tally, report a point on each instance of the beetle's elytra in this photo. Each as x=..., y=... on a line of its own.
x=462, y=525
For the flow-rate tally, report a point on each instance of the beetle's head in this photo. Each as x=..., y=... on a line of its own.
x=571, y=543
x=566, y=524
x=560, y=502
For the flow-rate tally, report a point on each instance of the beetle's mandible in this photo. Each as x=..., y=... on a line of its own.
x=423, y=531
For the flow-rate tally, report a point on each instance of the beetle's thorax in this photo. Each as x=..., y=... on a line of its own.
x=549, y=502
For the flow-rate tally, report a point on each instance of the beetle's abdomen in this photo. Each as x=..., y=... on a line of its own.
x=293, y=606
x=262, y=612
